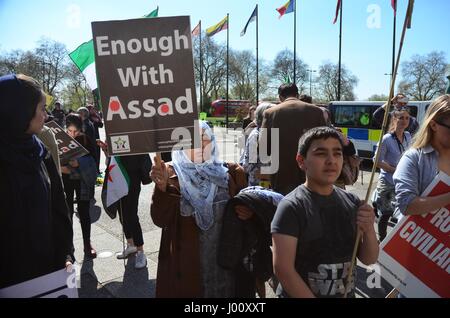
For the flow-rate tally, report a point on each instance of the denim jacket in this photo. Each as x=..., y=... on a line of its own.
x=415, y=171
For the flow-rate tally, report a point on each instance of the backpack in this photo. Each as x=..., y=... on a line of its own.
x=350, y=169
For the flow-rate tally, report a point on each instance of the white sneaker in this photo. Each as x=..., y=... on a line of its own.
x=127, y=252
x=141, y=260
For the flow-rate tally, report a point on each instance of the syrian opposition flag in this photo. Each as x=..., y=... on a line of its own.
x=118, y=181
x=84, y=57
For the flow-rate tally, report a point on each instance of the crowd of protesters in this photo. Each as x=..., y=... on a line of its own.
x=226, y=228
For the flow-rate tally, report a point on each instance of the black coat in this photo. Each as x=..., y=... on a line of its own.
x=88, y=129
x=247, y=241
x=35, y=227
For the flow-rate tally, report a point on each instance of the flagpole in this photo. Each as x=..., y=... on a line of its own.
x=257, y=59
x=393, y=38
x=228, y=40
x=340, y=51
x=295, y=40
x=201, y=68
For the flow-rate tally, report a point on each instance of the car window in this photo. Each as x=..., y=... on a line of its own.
x=356, y=116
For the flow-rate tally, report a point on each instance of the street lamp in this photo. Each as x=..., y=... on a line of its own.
x=310, y=80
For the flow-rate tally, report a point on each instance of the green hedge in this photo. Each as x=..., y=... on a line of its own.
x=219, y=121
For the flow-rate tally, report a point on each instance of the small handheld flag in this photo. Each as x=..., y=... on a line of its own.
x=118, y=181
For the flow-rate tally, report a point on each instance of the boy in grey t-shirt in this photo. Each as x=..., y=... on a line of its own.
x=314, y=228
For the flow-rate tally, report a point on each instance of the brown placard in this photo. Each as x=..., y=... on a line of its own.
x=145, y=75
x=68, y=148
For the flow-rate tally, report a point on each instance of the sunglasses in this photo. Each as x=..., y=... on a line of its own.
x=443, y=125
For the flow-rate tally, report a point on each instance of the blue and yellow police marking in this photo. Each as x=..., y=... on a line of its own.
x=362, y=134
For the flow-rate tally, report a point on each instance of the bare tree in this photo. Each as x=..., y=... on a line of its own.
x=243, y=74
x=213, y=67
x=52, y=58
x=18, y=61
x=283, y=70
x=328, y=82
x=75, y=93
x=423, y=77
x=48, y=64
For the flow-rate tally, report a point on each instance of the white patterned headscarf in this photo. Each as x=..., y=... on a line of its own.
x=199, y=182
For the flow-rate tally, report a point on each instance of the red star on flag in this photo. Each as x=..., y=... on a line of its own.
x=109, y=170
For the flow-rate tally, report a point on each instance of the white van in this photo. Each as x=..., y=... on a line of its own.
x=355, y=120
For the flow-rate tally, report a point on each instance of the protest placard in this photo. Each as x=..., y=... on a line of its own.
x=146, y=82
x=414, y=257
x=68, y=148
x=59, y=284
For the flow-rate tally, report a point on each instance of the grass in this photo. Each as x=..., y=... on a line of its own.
x=217, y=121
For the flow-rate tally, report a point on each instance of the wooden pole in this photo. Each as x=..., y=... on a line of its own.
x=383, y=130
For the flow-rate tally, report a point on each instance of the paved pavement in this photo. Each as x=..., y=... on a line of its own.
x=108, y=277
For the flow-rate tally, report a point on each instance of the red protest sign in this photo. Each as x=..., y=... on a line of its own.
x=415, y=257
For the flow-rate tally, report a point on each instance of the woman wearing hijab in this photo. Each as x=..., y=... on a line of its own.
x=35, y=228
x=188, y=204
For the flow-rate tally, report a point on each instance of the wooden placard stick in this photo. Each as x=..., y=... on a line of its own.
x=406, y=24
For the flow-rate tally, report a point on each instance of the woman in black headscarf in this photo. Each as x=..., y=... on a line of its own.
x=35, y=228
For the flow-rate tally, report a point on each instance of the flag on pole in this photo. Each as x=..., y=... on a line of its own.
x=288, y=7
x=153, y=14
x=251, y=19
x=394, y=6
x=222, y=25
x=118, y=181
x=338, y=8
x=196, y=30
x=84, y=57
x=287, y=79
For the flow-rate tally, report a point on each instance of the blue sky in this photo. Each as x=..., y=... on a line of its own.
x=366, y=49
